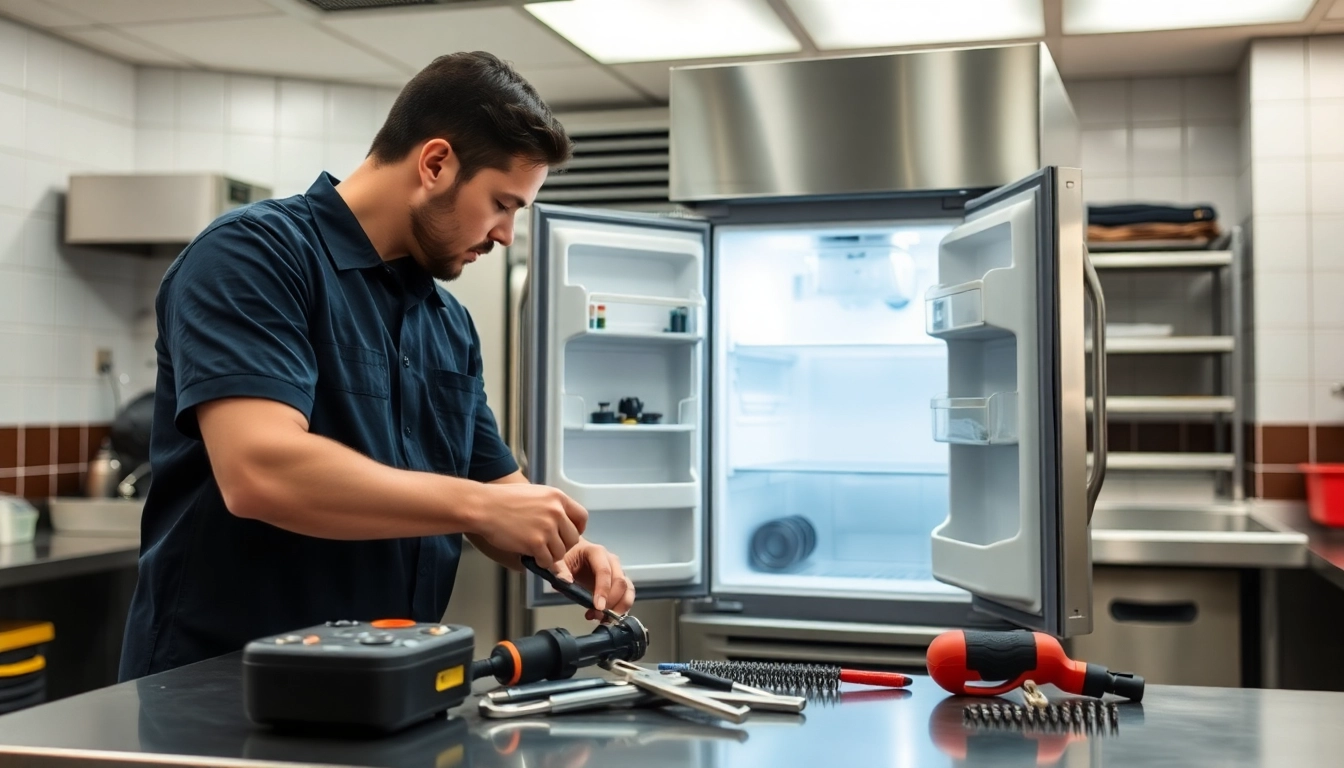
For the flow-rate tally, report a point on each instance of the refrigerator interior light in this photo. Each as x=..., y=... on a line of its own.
x=875, y=23
x=622, y=31
x=1088, y=17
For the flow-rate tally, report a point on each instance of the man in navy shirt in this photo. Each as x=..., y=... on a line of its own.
x=321, y=440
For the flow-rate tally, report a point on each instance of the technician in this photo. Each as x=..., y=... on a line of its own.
x=321, y=440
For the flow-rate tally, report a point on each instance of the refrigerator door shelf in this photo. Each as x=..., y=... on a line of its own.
x=579, y=415
x=642, y=319
x=976, y=420
x=630, y=495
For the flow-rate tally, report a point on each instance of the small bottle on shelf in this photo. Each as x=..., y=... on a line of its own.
x=601, y=315
x=592, y=315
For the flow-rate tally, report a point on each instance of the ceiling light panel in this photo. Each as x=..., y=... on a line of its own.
x=837, y=24
x=1090, y=17
x=618, y=31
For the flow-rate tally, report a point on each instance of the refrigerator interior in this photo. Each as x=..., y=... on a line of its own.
x=827, y=479
x=627, y=309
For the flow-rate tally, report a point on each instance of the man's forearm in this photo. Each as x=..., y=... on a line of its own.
x=311, y=485
x=509, y=560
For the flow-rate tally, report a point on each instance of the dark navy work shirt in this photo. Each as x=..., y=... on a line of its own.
x=287, y=300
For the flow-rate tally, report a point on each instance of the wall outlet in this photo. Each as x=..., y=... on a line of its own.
x=103, y=361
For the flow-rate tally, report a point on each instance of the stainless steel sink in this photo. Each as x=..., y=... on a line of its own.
x=1229, y=536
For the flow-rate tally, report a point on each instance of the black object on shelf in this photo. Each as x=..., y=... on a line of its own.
x=782, y=544
x=603, y=415
x=631, y=407
x=651, y=418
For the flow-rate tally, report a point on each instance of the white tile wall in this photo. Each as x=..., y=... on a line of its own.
x=1171, y=140
x=63, y=109
x=1296, y=105
x=279, y=132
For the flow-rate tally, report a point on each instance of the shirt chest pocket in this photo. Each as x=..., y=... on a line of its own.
x=455, y=398
x=350, y=369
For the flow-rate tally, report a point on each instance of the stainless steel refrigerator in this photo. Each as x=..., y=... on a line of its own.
x=841, y=407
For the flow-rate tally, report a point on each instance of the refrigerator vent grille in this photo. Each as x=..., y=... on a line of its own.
x=613, y=168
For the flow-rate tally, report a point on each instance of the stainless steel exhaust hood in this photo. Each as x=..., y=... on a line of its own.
x=150, y=209
x=922, y=121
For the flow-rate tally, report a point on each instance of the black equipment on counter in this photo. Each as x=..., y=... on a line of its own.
x=779, y=545
x=373, y=676
x=555, y=654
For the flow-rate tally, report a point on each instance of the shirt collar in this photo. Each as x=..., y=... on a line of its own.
x=348, y=245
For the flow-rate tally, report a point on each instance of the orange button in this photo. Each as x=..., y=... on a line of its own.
x=312, y=640
x=393, y=623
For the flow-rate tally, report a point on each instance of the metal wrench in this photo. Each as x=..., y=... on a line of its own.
x=651, y=681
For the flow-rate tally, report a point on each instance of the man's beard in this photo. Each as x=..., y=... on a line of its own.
x=436, y=240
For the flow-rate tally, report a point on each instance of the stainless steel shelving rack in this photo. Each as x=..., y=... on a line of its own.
x=1227, y=404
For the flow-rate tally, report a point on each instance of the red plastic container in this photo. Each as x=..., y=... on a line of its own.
x=1325, y=493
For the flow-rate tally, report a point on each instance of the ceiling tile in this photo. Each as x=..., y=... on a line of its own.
x=416, y=36
x=39, y=14
x=271, y=45
x=1336, y=11
x=588, y=85
x=115, y=43
x=142, y=11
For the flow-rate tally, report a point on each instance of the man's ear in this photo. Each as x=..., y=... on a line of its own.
x=438, y=165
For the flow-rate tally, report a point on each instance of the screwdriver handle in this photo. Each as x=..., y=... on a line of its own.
x=958, y=658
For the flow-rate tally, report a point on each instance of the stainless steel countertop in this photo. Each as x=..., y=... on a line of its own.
x=1325, y=546
x=196, y=713
x=55, y=555
x=1211, y=536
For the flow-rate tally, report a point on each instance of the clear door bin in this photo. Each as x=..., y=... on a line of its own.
x=976, y=420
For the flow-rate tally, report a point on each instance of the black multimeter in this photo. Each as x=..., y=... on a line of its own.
x=375, y=676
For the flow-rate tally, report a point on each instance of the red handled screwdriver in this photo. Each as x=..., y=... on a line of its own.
x=961, y=657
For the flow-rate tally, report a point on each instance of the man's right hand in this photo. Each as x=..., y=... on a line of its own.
x=534, y=520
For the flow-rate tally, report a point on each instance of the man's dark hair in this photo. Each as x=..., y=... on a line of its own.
x=481, y=106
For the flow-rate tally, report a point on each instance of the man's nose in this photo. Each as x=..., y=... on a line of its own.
x=503, y=234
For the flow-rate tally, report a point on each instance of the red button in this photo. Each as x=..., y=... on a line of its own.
x=393, y=623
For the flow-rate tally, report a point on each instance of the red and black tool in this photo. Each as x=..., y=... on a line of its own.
x=1005, y=660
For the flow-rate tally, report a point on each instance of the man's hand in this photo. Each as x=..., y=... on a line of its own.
x=592, y=566
x=531, y=520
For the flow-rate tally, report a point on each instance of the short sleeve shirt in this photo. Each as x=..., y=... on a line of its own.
x=288, y=300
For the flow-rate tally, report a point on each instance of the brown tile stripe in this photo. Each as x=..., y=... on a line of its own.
x=37, y=461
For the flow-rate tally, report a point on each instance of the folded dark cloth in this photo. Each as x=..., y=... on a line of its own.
x=1198, y=230
x=1136, y=213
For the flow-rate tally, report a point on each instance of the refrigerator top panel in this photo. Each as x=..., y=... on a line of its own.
x=913, y=122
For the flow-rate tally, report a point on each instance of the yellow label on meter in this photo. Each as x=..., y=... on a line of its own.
x=448, y=678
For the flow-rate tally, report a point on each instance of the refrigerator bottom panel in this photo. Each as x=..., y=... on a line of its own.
x=890, y=647
x=902, y=611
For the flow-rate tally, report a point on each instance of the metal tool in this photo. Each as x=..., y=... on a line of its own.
x=960, y=657
x=800, y=678
x=651, y=681
x=730, y=692
x=569, y=589
x=593, y=698
x=544, y=689
x=1089, y=716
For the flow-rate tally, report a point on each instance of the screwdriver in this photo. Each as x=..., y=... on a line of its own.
x=569, y=589
x=959, y=657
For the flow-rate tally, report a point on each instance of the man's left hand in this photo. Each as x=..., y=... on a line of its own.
x=592, y=566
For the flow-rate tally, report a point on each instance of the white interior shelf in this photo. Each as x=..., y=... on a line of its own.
x=1169, y=345
x=1173, y=462
x=630, y=428
x=1170, y=404
x=1162, y=260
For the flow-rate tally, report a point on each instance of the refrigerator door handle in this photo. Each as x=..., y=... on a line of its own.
x=520, y=284
x=1098, y=474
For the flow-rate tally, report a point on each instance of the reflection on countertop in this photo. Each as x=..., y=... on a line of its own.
x=55, y=555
